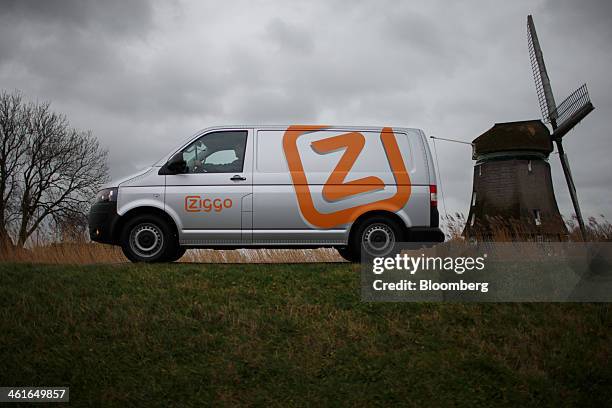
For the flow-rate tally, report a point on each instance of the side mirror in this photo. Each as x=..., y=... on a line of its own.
x=176, y=165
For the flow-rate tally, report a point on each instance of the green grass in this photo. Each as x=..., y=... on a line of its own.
x=287, y=335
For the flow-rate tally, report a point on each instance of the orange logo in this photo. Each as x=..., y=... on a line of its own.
x=196, y=203
x=336, y=188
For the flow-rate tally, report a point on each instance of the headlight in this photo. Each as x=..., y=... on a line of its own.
x=107, y=194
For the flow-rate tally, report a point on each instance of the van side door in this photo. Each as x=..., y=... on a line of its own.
x=212, y=199
x=309, y=189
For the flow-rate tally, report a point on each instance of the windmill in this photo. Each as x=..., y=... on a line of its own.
x=563, y=117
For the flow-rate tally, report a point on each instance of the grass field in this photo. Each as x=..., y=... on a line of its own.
x=287, y=335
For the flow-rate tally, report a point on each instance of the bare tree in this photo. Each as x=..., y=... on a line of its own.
x=13, y=131
x=69, y=228
x=48, y=170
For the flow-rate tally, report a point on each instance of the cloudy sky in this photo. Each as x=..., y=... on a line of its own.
x=144, y=75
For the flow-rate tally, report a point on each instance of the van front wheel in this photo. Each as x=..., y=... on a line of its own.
x=180, y=251
x=148, y=238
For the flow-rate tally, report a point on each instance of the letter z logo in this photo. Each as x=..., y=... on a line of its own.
x=336, y=188
x=192, y=203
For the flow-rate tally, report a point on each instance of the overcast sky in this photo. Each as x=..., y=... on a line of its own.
x=144, y=75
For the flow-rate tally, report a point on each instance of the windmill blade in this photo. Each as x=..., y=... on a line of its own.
x=572, y=110
x=540, y=75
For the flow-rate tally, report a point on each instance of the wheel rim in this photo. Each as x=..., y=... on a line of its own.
x=146, y=240
x=378, y=239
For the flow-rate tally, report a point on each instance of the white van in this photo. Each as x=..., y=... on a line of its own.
x=352, y=188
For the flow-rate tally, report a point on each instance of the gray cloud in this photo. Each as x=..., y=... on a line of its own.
x=289, y=38
x=144, y=75
x=113, y=17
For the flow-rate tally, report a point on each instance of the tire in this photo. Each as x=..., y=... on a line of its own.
x=347, y=254
x=375, y=237
x=180, y=251
x=149, y=238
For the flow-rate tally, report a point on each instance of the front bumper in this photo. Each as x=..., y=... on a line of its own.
x=102, y=222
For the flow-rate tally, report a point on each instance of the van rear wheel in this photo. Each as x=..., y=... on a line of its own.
x=148, y=238
x=347, y=254
x=375, y=237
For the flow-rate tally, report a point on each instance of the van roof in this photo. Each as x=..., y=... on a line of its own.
x=283, y=127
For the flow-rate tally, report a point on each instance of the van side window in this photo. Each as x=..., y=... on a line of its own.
x=217, y=152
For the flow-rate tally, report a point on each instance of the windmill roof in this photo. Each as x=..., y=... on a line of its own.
x=528, y=135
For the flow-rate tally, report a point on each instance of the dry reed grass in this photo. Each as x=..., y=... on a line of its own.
x=84, y=253
x=72, y=253
x=598, y=229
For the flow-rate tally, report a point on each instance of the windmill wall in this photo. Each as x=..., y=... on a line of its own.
x=512, y=194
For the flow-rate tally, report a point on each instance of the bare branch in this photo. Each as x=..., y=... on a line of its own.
x=48, y=170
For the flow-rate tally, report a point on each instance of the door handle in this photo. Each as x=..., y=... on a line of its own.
x=238, y=178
